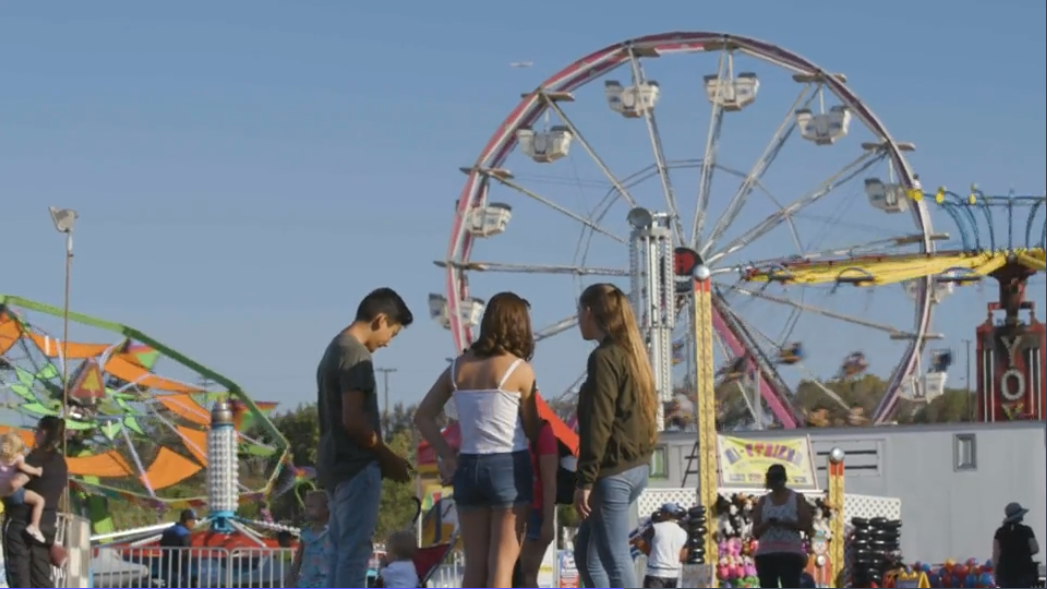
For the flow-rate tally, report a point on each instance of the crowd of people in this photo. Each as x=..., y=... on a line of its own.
x=504, y=471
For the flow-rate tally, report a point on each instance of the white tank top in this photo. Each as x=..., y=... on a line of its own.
x=489, y=418
x=778, y=540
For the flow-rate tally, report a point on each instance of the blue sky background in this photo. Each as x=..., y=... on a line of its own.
x=246, y=171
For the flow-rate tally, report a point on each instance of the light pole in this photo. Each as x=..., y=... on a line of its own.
x=65, y=220
x=385, y=385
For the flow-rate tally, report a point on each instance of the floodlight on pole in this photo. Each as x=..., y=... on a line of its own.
x=640, y=218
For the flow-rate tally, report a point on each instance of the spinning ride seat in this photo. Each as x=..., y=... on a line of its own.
x=941, y=360
x=854, y=365
x=791, y=354
x=733, y=371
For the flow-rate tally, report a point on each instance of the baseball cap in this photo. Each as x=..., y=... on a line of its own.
x=188, y=515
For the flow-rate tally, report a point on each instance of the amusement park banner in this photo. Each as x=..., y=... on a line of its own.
x=744, y=462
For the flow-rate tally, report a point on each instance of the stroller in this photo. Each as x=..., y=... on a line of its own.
x=427, y=560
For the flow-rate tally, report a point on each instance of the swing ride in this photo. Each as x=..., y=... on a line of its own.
x=1010, y=353
x=555, y=201
x=139, y=415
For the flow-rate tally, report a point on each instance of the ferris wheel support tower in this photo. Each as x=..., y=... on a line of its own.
x=652, y=294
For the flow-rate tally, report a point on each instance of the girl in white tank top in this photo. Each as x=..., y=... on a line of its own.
x=490, y=419
x=491, y=385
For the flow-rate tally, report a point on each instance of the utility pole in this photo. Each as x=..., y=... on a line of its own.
x=970, y=400
x=385, y=394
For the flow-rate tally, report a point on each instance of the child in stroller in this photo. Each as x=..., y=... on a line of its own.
x=426, y=560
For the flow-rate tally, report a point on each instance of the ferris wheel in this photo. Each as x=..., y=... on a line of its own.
x=738, y=150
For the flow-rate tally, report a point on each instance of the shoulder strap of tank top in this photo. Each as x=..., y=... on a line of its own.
x=454, y=375
x=508, y=373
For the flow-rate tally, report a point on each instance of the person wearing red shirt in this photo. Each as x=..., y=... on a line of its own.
x=541, y=525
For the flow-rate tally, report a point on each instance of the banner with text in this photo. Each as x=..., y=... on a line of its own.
x=744, y=462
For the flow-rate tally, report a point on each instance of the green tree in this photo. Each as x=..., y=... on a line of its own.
x=398, y=506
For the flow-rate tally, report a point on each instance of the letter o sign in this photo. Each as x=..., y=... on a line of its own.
x=1012, y=385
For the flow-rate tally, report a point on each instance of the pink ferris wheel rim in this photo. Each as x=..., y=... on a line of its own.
x=593, y=66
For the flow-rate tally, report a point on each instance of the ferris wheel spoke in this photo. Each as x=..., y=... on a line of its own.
x=712, y=141
x=849, y=172
x=623, y=192
x=556, y=328
x=809, y=308
x=508, y=182
x=639, y=77
x=509, y=268
x=756, y=173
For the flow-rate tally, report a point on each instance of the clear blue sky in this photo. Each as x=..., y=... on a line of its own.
x=245, y=171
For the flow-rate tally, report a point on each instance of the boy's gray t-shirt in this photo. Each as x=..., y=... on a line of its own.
x=346, y=366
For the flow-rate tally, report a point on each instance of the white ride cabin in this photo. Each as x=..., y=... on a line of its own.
x=889, y=198
x=824, y=128
x=545, y=146
x=732, y=94
x=631, y=101
x=489, y=219
x=471, y=311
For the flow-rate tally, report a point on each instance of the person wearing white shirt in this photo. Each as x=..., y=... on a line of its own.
x=399, y=570
x=666, y=548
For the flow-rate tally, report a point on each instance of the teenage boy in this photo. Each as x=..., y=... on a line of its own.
x=353, y=458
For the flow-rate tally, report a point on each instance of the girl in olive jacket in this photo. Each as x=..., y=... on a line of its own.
x=617, y=408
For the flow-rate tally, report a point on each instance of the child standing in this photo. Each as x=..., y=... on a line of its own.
x=667, y=547
x=12, y=462
x=314, y=548
x=398, y=570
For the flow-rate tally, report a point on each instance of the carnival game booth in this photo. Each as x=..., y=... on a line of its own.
x=742, y=464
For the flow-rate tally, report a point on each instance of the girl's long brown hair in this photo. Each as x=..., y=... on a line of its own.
x=614, y=316
x=505, y=328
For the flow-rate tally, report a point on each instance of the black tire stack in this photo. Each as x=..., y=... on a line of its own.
x=874, y=548
x=697, y=529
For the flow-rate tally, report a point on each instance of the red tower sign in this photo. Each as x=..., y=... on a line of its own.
x=1011, y=355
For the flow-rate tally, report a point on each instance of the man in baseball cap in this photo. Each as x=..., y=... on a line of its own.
x=174, y=545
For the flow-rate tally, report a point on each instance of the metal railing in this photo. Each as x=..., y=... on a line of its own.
x=130, y=567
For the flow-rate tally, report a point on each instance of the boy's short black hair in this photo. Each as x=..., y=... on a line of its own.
x=384, y=301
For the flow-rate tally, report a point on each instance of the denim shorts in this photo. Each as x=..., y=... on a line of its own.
x=17, y=497
x=494, y=481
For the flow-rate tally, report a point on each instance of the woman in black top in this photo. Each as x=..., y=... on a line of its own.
x=28, y=562
x=1013, y=548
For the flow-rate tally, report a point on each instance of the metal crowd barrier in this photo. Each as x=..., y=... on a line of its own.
x=150, y=567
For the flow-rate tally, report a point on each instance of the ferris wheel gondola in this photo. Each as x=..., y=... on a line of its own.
x=565, y=160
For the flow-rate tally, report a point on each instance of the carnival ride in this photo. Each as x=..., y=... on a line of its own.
x=140, y=426
x=1010, y=349
x=542, y=169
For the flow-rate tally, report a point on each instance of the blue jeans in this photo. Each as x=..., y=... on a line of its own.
x=354, y=515
x=601, y=549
